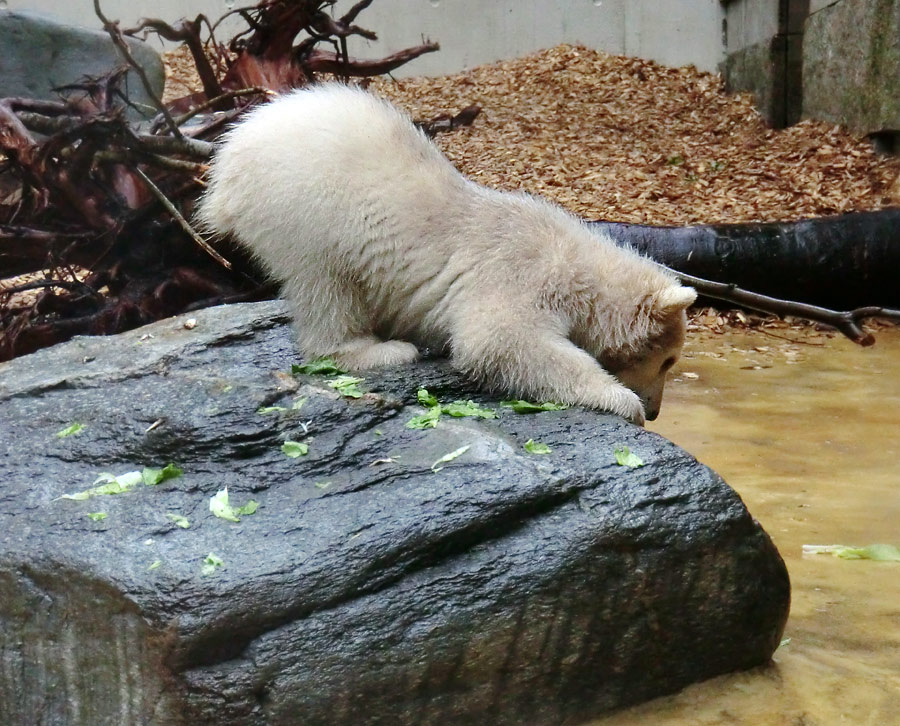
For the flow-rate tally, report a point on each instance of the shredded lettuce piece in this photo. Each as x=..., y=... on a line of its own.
x=536, y=447
x=295, y=449
x=70, y=430
x=457, y=409
x=179, y=520
x=318, y=367
x=520, y=406
x=877, y=552
x=347, y=386
x=263, y=410
x=449, y=457
x=220, y=506
x=210, y=563
x=111, y=484
x=427, y=420
x=625, y=457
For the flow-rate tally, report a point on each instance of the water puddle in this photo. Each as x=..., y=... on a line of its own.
x=809, y=436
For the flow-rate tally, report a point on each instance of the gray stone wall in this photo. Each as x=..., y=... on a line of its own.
x=834, y=60
x=851, y=65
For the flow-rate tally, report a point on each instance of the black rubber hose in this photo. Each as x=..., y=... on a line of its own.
x=842, y=262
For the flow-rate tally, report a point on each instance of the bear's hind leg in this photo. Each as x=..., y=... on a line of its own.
x=364, y=352
x=332, y=321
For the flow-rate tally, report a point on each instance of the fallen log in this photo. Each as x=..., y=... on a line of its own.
x=845, y=261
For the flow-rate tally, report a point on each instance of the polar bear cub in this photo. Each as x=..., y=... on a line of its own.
x=381, y=246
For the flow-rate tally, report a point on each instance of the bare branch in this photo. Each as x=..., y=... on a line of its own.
x=847, y=322
x=351, y=14
x=185, y=225
x=224, y=97
x=115, y=34
x=194, y=148
x=157, y=160
x=187, y=32
x=321, y=61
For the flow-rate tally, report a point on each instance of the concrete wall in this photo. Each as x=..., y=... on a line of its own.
x=851, y=66
x=472, y=32
x=764, y=51
x=835, y=60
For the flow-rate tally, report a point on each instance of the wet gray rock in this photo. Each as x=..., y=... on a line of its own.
x=505, y=588
x=40, y=54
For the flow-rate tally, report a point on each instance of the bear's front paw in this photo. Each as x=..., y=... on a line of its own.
x=628, y=405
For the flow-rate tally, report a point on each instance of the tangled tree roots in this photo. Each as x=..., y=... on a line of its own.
x=94, y=209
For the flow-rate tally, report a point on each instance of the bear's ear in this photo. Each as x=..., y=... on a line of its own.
x=673, y=299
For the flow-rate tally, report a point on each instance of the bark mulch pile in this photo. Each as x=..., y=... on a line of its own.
x=630, y=140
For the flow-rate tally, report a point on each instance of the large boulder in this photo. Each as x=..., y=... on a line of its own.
x=41, y=53
x=372, y=586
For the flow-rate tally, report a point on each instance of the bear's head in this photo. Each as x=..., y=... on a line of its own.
x=643, y=367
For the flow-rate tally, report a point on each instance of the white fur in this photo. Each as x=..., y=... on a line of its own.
x=381, y=246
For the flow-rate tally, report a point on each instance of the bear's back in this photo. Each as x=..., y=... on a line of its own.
x=320, y=157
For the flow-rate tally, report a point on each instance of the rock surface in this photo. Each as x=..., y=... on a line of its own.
x=40, y=54
x=505, y=588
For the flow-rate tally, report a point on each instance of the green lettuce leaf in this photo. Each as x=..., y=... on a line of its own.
x=449, y=457
x=152, y=477
x=427, y=420
x=536, y=447
x=295, y=449
x=425, y=398
x=520, y=406
x=625, y=457
x=318, y=367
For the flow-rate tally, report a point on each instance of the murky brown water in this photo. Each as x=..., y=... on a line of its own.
x=809, y=435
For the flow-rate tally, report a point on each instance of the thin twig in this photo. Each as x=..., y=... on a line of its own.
x=760, y=329
x=185, y=225
x=115, y=34
x=218, y=99
x=40, y=284
x=158, y=160
x=187, y=32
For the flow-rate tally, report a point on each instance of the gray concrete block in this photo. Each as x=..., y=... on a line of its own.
x=757, y=69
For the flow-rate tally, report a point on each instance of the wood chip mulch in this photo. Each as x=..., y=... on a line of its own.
x=630, y=140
